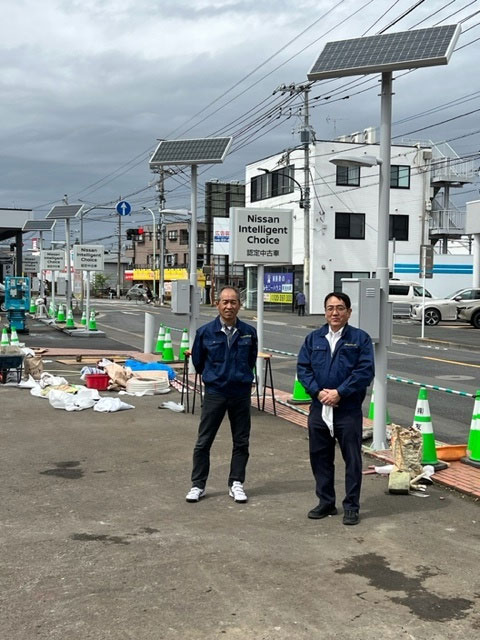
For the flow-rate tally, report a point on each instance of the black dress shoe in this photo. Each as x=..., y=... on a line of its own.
x=351, y=517
x=321, y=511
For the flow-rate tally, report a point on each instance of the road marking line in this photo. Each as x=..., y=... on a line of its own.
x=124, y=331
x=443, y=360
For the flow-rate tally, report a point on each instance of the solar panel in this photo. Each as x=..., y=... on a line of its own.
x=64, y=211
x=191, y=152
x=386, y=52
x=38, y=225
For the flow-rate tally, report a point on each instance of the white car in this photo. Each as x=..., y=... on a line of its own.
x=469, y=312
x=443, y=309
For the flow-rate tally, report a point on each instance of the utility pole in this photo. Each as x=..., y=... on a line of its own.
x=160, y=189
x=119, y=253
x=306, y=137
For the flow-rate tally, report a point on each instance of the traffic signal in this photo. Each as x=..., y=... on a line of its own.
x=130, y=233
x=140, y=235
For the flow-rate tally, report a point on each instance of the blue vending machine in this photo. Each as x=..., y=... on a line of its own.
x=17, y=301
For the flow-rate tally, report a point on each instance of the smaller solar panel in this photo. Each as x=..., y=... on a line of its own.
x=38, y=225
x=386, y=52
x=195, y=151
x=64, y=211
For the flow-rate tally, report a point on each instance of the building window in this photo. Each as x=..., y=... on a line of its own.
x=350, y=225
x=340, y=275
x=276, y=183
x=171, y=260
x=400, y=176
x=398, y=227
x=184, y=237
x=172, y=235
x=348, y=176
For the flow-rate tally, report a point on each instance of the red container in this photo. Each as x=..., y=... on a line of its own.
x=97, y=381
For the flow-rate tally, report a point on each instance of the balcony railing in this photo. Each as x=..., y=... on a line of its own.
x=447, y=222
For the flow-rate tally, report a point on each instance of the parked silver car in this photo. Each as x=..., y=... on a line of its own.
x=470, y=313
x=136, y=292
x=2, y=298
x=444, y=309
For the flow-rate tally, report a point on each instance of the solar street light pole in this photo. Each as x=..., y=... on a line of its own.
x=194, y=311
x=382, y=268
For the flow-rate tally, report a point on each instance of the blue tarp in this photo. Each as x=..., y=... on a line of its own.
x=138, y=366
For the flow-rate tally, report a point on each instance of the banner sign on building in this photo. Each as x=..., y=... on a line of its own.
x=278, y=288
x=52, y=259
x=221, y=236
x=260, y=236
x=88, y=257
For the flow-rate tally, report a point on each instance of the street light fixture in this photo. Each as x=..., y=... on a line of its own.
x=278, y=173
x=384, y=54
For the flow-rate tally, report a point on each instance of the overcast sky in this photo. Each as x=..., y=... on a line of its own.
x=88, y=86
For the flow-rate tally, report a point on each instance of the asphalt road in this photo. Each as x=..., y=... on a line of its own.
x=448, y=358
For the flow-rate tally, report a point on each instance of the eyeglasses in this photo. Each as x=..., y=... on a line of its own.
x=338, y=308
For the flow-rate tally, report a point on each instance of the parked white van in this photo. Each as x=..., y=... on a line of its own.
x=406, y=291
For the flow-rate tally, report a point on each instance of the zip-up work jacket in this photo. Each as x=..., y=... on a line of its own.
x=225, y=370
x=349, y=370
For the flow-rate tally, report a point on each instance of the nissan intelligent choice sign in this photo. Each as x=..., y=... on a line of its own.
x=260, y=236
x=88, y=257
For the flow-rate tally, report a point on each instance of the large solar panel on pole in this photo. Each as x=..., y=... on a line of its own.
x=64, y=211
x=195, y=151
x=383, y=54
x=386, y=52
x=39, y=225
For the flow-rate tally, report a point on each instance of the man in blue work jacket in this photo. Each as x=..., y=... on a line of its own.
x=224, y=353
x=336, y=365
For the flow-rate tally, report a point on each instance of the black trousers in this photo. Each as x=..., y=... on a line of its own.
x=348, y=433
x=301, y=310
x=213, y=411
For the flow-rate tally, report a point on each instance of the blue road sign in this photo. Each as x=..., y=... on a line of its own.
x=123, y=208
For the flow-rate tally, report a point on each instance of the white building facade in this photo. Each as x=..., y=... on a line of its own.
x=343, y=216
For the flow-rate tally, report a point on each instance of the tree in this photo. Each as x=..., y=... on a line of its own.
x=100, y=283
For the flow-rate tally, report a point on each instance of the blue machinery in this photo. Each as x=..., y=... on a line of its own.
x=17, y=301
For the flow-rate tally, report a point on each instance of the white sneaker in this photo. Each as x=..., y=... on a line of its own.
x=236, y=491
x=194, y=494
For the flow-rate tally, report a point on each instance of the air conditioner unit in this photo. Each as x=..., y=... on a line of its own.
x=369, y=135
x=356, y=136
x=344, y=138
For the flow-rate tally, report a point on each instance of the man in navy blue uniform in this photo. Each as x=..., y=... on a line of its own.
x=336, y=365
x=224, y=353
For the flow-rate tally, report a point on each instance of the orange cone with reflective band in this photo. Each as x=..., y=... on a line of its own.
x=184, y=344
x=168, y=350
x=70, y=322
x=422, y=421
x=299, y=394
x=472, y=449
x=160, y=340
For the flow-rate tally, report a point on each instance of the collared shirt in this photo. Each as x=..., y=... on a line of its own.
x=229, y=332
x=327, y=410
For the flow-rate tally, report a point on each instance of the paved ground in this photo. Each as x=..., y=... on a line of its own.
x=98, y=542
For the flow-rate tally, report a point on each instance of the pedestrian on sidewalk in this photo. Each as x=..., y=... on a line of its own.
x=336, y=365
x=301, y=304
x=224, y=353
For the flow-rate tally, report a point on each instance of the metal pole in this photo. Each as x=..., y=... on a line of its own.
x=260, y=326
x=382, y=269
x=194, y=312
x=42, y=284
x=154, y=233
x=54, y=273
x=87, y=305
x=119, y=250
x=307, y=204
x=67, y=256
x=162, y=259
